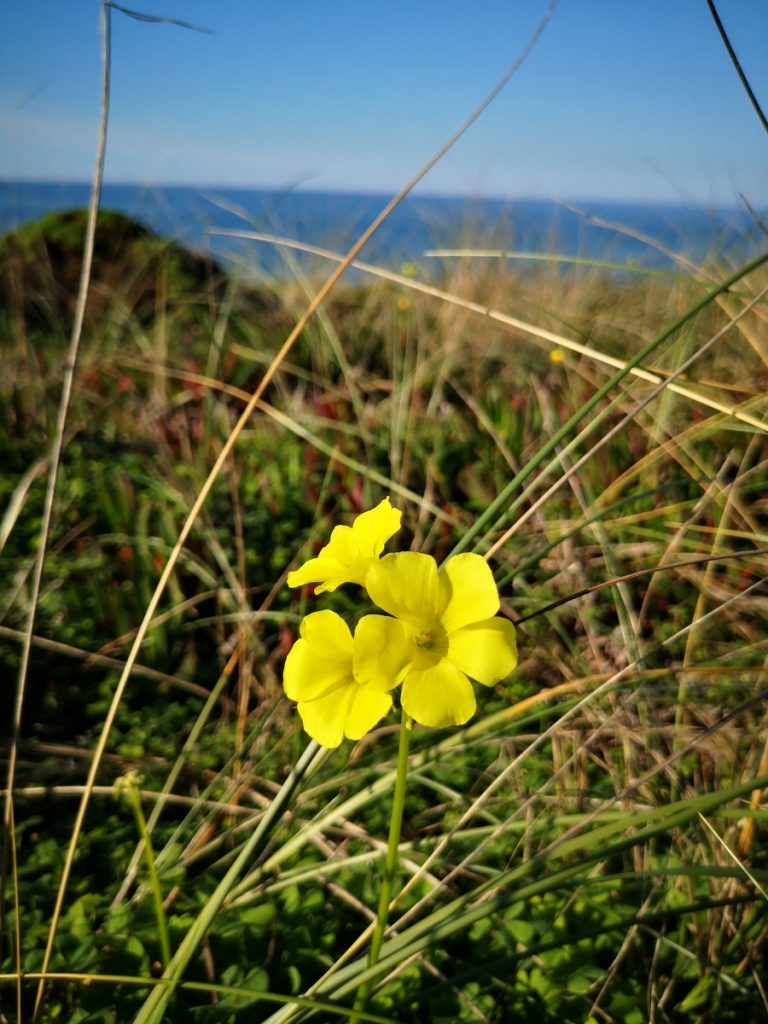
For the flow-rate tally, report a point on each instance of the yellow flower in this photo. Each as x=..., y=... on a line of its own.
x=449, y=617
x=341, y=683
x=351, y=551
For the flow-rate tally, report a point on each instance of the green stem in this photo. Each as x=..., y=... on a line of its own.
x=390, y=862
x=131, y=791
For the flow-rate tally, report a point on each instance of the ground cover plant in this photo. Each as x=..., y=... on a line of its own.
x=589, y=845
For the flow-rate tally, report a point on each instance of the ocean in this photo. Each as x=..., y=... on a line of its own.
x=632, y=235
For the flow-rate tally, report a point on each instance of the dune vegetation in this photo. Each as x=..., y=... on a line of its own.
x=590, y=845
x=176, y=439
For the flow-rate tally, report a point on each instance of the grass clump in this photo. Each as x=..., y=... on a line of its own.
x=560, y=855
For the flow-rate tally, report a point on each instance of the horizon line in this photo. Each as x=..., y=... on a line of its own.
x=562, y=201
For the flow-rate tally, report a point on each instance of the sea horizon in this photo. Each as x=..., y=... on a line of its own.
x=419, y=192
x=632, y=233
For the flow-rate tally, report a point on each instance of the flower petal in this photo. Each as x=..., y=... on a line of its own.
x=382, y=652
x=327, y=573
x=325, y=717
x=366, y=710
x=307, y=675
x=351, y=551
x=341, y=546
x=486, y=651
x=321, y=660
x=373, y=529
x=438, y=696
x=338, y=562
x=312, y=571
x=327, y=633
x=406, y=585
x=474, y=595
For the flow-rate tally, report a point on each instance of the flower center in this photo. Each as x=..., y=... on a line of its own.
x=424, y=640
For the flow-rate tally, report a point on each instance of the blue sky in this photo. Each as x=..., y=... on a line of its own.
x=619, y=100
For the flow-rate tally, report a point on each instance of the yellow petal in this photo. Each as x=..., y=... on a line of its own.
x=319, y=674
x=310, y=572
x=328, y=634
x=326, y=572
x=325, y=717
x=486, y=651
x=308, y=675
x=341, y=548
x=351, y=551
x=438, y=696
x=382, y=652
x=366, y=710
x=373, y=529
x=337, y=563
x=407, y=586
x=321, y=661
x=473, y=592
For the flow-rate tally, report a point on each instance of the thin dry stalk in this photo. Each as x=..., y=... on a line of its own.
x=53, y=470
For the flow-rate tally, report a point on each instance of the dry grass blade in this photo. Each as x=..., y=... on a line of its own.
x=757, y=342
x=618, y=427
x=93, y=657
x=552, y=338
x=638, y=574
x=734, y=856
x=54, y=461
x=16, y=504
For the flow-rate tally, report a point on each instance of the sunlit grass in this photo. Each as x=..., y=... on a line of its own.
x=636, y=709
x=589, y=846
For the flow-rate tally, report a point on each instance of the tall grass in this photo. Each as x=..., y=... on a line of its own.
x=589, y=847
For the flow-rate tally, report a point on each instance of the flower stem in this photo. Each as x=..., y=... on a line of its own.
x=390, y=862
